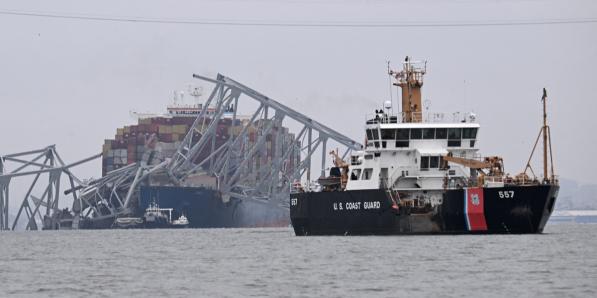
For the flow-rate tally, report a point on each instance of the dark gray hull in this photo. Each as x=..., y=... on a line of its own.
x=372, y=212
x=204, y=208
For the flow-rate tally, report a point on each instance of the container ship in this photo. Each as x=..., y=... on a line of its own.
x=156, y=137
x=422, y=174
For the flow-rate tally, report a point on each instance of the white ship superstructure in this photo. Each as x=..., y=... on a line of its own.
x=410, y=156
x=405, y=151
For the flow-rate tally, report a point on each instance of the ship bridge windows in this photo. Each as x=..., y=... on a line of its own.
x=402, y=134
x=356, y=173
x=372, y=134
x=428, y=133
x=416, y=134
x=454, y=133
x=469, y=133
x=441, y=133
x=388, y=134
x=454, y=136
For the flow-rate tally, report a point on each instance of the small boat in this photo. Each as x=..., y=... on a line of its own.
x=181, y=222
x=155, y=218
x=128, y=223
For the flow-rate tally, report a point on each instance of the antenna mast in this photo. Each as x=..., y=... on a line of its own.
x=410, y=79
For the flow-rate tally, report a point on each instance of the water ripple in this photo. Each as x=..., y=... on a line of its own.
x=274, y=263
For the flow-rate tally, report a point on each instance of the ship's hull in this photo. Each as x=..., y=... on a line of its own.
x=204, y=208
x=106, y=222
x=510, y=209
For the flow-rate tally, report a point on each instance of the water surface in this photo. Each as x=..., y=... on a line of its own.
x=275, y=263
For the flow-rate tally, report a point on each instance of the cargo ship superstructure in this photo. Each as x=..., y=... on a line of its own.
x=423, y=175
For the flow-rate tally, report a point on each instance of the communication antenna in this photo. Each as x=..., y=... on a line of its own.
x=390, y=85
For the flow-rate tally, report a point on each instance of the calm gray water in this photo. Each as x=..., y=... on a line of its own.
x=275, y=263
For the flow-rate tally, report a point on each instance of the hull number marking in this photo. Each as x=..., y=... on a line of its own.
x=506, y=194
x=293, y=202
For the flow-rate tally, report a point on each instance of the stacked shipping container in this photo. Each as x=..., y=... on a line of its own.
x=132, y=142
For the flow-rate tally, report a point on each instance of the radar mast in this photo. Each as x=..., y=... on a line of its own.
x=410, y=80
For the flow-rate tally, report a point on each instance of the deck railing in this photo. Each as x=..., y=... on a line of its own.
x=420, y=117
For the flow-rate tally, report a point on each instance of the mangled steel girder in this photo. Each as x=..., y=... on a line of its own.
x=31, y=205
x=226, y=90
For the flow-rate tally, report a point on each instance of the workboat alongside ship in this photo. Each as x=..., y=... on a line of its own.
x=423, y=175
x=153, y=218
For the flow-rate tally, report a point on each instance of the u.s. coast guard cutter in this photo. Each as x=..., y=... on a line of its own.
x=424, y=175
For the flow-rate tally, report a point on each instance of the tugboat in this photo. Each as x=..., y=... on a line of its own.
x=154, y=217
x=181, y=222
x=424, y=175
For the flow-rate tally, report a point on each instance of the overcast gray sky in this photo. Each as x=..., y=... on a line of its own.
x=72, y=82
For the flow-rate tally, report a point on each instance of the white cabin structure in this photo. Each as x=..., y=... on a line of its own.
x=409, y=156
x=405, y=153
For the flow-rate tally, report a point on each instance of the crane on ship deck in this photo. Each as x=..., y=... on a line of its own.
x=494, y=165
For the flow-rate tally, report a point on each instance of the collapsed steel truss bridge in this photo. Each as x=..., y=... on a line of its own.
x=115, y=193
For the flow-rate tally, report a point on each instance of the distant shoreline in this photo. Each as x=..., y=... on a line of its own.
x=573, y=216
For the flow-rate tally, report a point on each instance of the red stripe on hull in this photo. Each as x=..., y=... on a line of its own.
x=475, y=211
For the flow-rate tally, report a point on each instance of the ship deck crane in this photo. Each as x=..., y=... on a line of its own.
x=338, y=161
x=494, y=164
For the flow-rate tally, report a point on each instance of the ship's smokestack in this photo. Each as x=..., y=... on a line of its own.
x=410, y=79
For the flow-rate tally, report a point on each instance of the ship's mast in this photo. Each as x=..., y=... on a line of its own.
x=545, y=131
x=410, y=80
x=544, y=100
x=547, y=141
